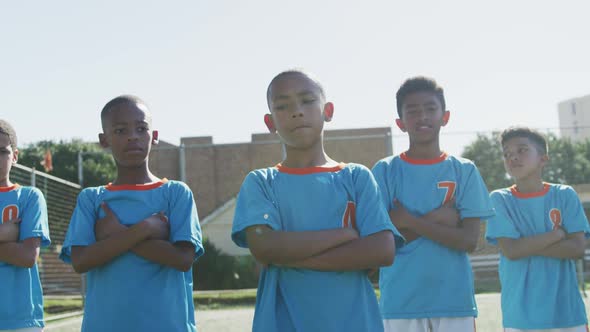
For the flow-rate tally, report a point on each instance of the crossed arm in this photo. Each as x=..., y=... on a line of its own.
x=147, y=238
x=327, y=250
x=22, y=254
x=442, y=225
x=556, y=244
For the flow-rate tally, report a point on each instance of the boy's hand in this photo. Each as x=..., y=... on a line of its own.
x=107, y=225
x=401, y=218
x=10, y=230
x=159, y=226
x=447, y=214
x=351, y=233
x=560, y=233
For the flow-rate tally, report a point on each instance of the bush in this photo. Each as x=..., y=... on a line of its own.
x=216, y=270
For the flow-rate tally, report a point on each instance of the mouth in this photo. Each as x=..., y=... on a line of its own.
x=300, y=127
x=133, y=149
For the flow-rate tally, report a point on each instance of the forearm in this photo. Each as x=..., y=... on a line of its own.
x=167, y=254
x=18, y=254
x=280, y=247
x=528, y=246
x=571, y=247
x=85, y=258
x=463, y=238
x=364, y=253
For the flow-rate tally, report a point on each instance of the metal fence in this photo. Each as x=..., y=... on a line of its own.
x=56, y=276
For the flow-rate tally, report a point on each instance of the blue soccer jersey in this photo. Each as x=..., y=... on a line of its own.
x=21, y=295
x=538, y=292
x=131, y=293
x=428, y=279
x=319, y=198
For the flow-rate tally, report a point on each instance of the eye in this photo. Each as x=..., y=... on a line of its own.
x=142, y=129
x=309, y=101
x=119, y=131
x=280, y=107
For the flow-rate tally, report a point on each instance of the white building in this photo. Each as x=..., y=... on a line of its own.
x=574, y=118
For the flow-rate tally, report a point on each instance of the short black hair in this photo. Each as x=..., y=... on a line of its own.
x=294, y=72
x=8, y=130
x=123, y=99
x=536, y=137
x=419, y=84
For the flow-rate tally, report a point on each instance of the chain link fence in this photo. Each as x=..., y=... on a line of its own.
x=57, y=277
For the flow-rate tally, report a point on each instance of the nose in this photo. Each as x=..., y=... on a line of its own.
x=297, y=111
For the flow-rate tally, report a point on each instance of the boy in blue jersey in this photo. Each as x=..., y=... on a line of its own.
x=436, y=201
x=317, y=225
x=23, y=230
x=541, y=229
x=136, y=238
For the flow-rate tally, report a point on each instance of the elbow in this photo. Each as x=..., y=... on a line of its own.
x=470, y=246
x=185, y=264
x=261, y=254
x=79, y=267
x=388, y=256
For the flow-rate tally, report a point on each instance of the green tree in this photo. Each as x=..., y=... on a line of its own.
x=569, y=162
x=98, y=165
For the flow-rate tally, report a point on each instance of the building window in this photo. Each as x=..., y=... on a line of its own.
x=573, y=108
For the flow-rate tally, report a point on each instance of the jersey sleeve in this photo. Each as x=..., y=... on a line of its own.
x=34, y=218
x=81, y=229
x=574, y=218
x=254, y=206
x=371, y=214
x=183, y=218
x=500, y=225
x=380, y=173
x=473, y=201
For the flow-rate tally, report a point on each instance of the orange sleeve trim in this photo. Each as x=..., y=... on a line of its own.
x=518, y=194
x=142, y=186
x=404, y=157
x=309, y=170
x=10, y=188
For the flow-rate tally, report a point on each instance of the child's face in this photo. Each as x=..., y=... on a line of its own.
x=128, y=132
x=522, y=158
x=8, y=156
x=297, y=109
x=422, y=116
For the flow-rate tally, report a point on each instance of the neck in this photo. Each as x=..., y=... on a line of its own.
x=429, y=150
x=308, y=157
x=5, y=182
x=134, y=175
x=529, y=185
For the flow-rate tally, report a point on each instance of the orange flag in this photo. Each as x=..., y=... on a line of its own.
x=47, y=161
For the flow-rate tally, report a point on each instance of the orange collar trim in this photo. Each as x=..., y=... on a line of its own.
x=144, y=186
x=7, y=189
x=309, y=170
x=518, y=194
x=404, y=157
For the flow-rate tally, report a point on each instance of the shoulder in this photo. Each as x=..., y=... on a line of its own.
x=462, y=162
x=91, y=193
x=262, y=175
x=501, y=193
x=562, y=189
x=176, y=185
x=385, y=162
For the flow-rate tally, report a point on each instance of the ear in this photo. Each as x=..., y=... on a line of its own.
x=328, y=111
x=102, y=139
x=155, y=139
x=445, y=118
x=400, y=125
x=269, y=123
x=15, y=156
x=544, y=160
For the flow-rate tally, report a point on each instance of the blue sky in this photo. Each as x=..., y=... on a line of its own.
x=203, y=66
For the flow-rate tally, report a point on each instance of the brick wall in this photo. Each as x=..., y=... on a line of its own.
x=215, y=171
